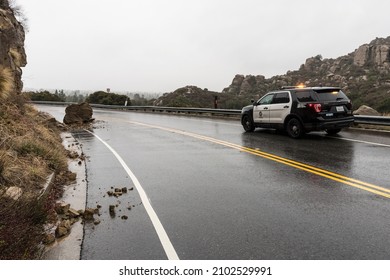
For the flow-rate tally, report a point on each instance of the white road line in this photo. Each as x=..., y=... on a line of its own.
x=359, y=141
x=163, y=236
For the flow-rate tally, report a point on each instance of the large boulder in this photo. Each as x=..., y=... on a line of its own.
x=366, y=111
x=78, y=114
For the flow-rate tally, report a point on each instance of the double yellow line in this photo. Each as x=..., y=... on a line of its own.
x=384, y=192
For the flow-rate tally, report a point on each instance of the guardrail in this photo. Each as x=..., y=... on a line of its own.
x=359, y=119
x=373, y=120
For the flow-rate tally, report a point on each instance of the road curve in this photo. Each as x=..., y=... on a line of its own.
x=220, y=193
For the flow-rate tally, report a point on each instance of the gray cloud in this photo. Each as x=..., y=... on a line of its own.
x=158, y=46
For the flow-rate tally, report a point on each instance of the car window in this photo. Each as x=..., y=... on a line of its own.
x=281, y=97
x=331, y=95
x=304, y=96
x=266, y=99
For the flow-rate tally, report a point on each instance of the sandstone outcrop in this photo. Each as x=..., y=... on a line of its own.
x=12, y=53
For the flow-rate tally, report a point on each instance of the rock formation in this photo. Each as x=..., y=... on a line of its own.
x=188, y=96
x=363, y=74
x=12, y=53
x=377, y=54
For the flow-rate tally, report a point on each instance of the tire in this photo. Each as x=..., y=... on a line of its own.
x=295, y=128
x=333, y=131
x=247, y=124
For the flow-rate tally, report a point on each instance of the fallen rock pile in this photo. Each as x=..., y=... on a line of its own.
x=67, y=216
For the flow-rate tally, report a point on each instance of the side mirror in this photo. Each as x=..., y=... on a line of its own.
x=253, y=102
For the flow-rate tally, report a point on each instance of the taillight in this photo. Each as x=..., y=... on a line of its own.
x=315, y=106
x=349, y=105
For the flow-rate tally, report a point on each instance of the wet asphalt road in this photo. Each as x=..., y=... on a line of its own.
x=219, y=202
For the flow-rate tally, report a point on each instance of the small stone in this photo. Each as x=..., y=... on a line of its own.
x=49, y=239
x=62, y=208
x=61, y=231
x=117, y=194
x=73, y=213
x=129, y=208
x=110, y=193
x=124, y=217
x=73, y=155
x=96, y=222
x=66, y=224
x=131, y=188
x=112, y=211
x=88, y=214
x=124, y=190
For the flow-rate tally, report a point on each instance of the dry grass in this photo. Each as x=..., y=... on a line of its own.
x=30, y=150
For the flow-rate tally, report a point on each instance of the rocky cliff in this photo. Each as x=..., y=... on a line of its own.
x=12, y=53
x=363, y=74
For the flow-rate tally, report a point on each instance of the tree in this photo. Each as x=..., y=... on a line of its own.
x=44, y=96
x=106, y=98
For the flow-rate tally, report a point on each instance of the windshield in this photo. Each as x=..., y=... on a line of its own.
x=331, y=95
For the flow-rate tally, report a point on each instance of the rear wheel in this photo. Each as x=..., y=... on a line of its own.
x=333, y=131
x=294, y=128
x=247, y=124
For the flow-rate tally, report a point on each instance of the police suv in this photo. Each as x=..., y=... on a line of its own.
x=299, y=110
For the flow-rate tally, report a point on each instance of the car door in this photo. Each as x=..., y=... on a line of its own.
x=280, y=107
x=261, y=109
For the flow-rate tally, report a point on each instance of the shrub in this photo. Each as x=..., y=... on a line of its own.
x=44, y=96
x=106, y=98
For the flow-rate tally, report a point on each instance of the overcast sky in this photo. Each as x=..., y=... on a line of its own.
x=161, y=45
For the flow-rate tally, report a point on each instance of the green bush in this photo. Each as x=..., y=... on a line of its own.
x=107, y=98
x=44, y=96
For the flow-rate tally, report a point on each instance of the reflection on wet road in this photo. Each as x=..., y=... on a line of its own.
x=224, y=194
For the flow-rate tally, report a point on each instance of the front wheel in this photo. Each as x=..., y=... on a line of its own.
x=333, y=131
x=247, y=124
x=294, y=128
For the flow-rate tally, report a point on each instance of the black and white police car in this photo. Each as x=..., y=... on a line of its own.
x=299, y=110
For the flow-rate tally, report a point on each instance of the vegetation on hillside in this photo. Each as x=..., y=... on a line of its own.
x=195, y=97
x=44, y=96
x=57, y=96
x=99, y=97
x=30, y=150
x=364, y=75
x=107, y=98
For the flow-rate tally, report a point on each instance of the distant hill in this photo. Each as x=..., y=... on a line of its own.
x=364, y=75
x=192, y=96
